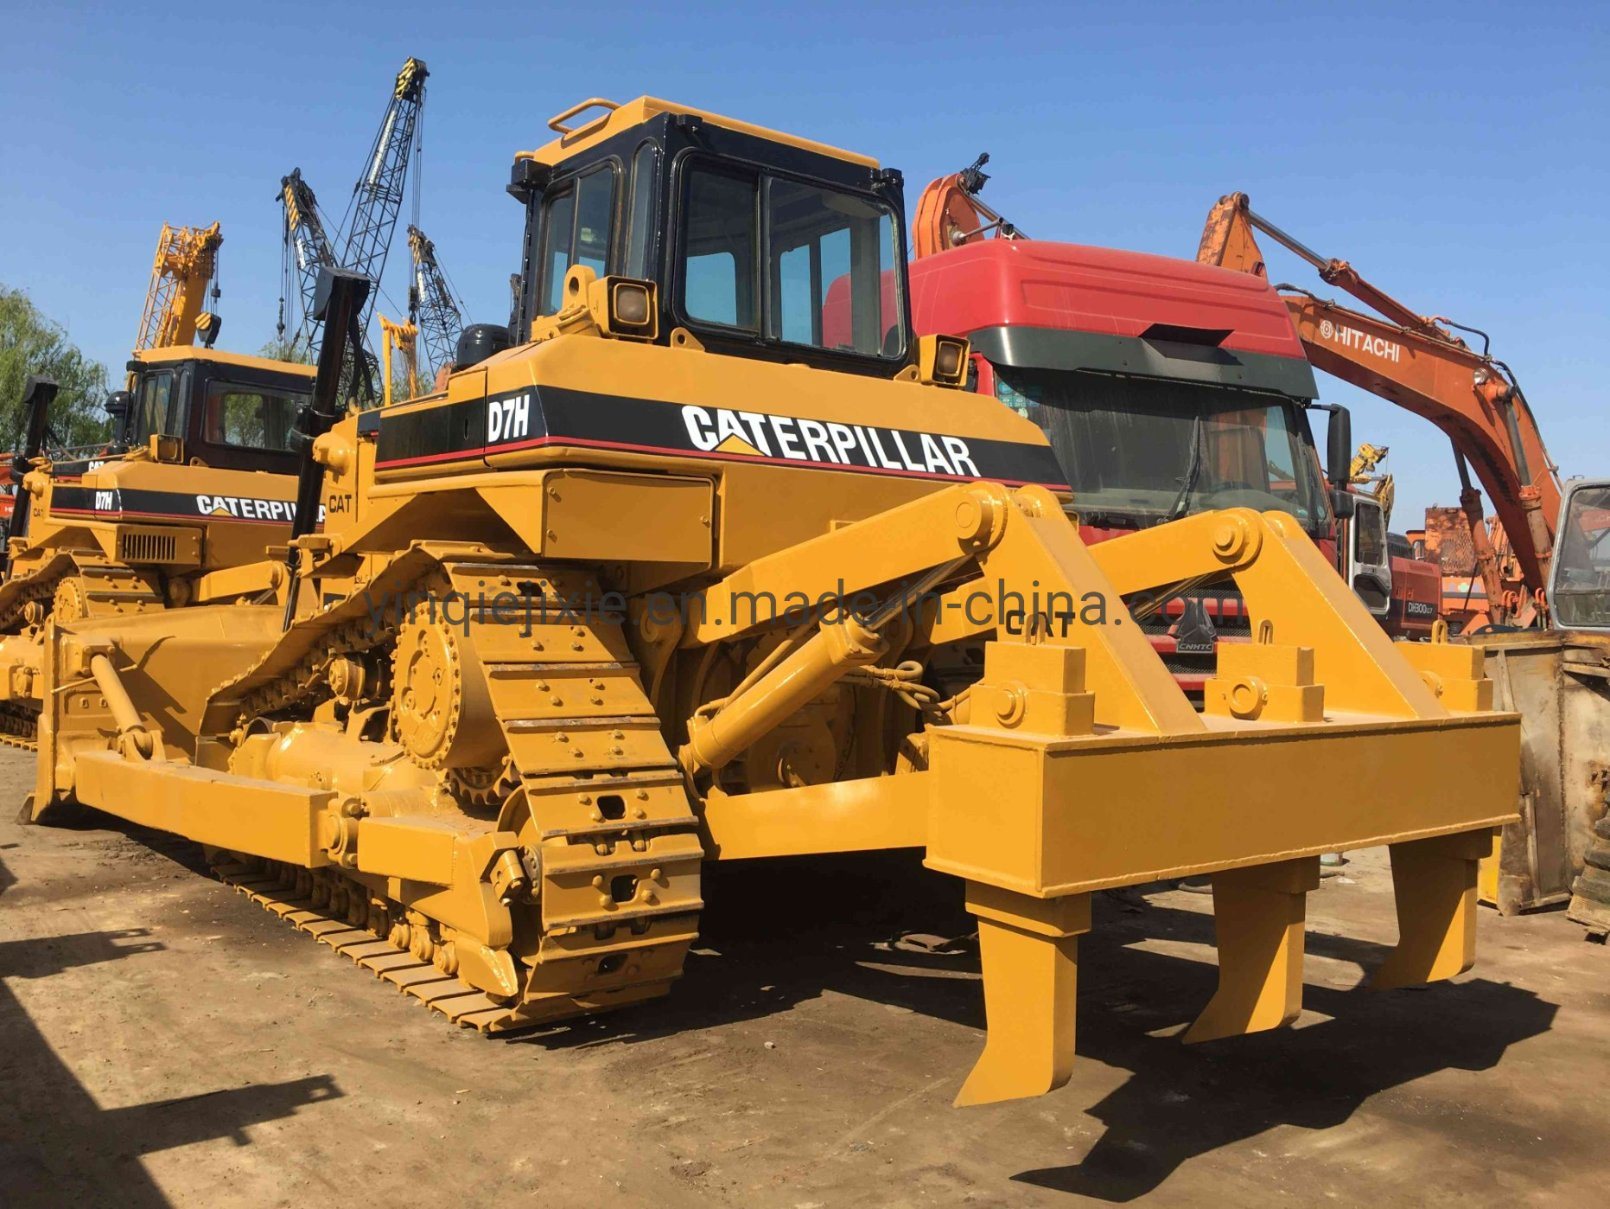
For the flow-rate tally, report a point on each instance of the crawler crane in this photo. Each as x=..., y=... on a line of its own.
x=432, y=307
x=364, y=240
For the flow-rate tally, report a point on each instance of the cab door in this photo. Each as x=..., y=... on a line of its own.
x=1579, y=581
x=1369, y=561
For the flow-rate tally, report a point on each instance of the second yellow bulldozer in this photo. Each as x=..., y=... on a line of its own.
x=177, y=507
x=717, y=561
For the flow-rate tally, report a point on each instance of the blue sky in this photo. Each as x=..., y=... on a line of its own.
x=1457, y=154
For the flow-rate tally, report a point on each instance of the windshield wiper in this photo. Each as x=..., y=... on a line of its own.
x=1192, y=472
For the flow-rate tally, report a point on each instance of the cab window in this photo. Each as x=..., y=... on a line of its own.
x=640, y=220
x=831, y=253
x=1581, y=595
x=720, y=270
x=249, y=417
x=1369, y=535
x=155, y=411
x=576, y=227
x=801, y=263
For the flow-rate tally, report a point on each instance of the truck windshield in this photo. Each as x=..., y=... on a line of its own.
x=1581, y=596
x=1142, y=450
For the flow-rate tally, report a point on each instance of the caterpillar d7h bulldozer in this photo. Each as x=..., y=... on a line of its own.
x=718, y=562
x=178, y=507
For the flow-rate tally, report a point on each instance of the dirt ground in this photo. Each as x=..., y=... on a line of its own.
x=165, y=1041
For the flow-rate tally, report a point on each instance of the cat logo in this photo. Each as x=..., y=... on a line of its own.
x=825, y=443
x=246, y=508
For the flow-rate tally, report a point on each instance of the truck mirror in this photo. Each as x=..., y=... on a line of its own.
x=117, y=404
x=1339, y=446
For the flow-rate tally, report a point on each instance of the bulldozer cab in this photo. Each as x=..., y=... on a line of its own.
x=222, y=410
x=744, y=235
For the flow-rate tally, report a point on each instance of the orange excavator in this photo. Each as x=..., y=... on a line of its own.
x=1551, y=548
x=1417, y=362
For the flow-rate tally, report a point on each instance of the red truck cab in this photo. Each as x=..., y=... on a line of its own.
x=1167, y=387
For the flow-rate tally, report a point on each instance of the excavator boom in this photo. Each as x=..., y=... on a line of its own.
x=1413, y=361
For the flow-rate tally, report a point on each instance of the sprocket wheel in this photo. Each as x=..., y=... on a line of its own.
x=441, y=711
x=69, y=602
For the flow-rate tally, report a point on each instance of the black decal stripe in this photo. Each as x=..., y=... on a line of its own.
x=562, y=417
x=155, y=505
x=432, y=433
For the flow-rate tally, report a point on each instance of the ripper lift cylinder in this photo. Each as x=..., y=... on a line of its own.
x=715, y=740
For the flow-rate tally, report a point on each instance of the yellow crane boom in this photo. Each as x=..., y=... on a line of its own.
x=186, y=260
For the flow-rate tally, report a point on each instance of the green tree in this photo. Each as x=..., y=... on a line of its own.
x=286, y=350
x=31, y=343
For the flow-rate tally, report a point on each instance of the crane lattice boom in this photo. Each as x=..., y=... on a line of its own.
x=377, y=202
x=379, y=192
x=307, y=249
x=435, y=311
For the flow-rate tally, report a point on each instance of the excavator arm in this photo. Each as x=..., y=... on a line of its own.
x=1413, y=361
x=950, y=213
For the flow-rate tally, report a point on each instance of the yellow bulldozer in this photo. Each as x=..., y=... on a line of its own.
x=177, y=507
x=717, y=561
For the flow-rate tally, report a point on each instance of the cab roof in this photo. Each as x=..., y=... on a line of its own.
x=617, y=118
x=188, y=352
x=1107, y=291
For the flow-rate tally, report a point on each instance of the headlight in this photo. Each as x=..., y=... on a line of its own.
x=948, y=359
x=631, y=303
